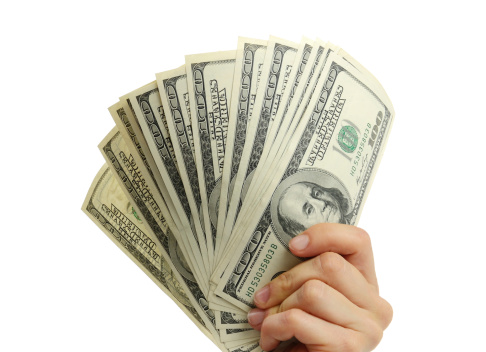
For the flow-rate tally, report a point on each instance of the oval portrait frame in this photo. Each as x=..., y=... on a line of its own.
x=319, y=177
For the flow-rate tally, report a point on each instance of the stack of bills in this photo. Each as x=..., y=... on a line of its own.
x=213, y=167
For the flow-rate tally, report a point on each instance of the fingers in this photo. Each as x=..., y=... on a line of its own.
x=324, y=302
x=318, y=299
x=310, y=331
x=329, y=302
x=350, y=241
x=330, y=268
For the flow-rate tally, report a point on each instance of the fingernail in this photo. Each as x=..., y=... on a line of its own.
x=255, y=316
x=299, y=242
x=263, y=295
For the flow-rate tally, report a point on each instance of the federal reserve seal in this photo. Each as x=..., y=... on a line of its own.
x=348, y=139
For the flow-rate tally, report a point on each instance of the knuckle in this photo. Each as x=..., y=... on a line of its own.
x=386, y=312
x=374, y=333
x=330, y=263
x=312, y=292
x=291, y=317
x=363, y=237
x=284, y=281
x=352, y=344
x=264, y=329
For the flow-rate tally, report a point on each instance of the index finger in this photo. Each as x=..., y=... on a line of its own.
x=352, y=242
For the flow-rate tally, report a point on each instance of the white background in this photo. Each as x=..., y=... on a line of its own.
x=64, y=286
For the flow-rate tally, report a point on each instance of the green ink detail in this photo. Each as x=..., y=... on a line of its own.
x=135, y=214
x=348, y=139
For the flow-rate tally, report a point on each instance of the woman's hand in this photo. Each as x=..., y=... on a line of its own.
x=328, y=303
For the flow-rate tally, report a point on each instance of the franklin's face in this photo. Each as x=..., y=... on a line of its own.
x=309, y=204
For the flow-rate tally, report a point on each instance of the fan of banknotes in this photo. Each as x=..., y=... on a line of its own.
x=213, y=167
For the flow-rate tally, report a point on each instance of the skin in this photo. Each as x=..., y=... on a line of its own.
x=310, y=205
x=329, y=303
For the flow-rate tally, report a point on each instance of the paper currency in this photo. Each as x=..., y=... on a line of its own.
x=151, y=116
x=248, y=70
x=107, y=206
x=279, y=58
x=210, y=83
x=324, y=177
x=141, y=198
x=214, y=167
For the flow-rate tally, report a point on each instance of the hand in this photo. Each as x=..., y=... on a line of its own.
x=328, y=303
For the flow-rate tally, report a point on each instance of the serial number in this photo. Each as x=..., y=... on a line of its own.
x=261, y=270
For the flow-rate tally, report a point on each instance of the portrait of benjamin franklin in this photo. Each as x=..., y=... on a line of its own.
x=307, y=198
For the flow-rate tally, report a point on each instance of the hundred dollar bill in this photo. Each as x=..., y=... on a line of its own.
x=240, y=334
x=324, y=176
x=308, y=64
x=123, y=153
x=248, y=65
x=218, y=304
x=175, y=100
x=227, y=320
x=295, y=76
x=129, y=128
x=135, y=188
x=118, y=156
x=210, y=83
x=124, y=116
x=129, y=123
x=289, y=117
x=286, y=132
x=279, y=58
x=108, y=207
x=151, y=116
x=309, y=58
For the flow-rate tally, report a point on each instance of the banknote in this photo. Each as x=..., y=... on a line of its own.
x=289, y=117
x=114, y=149
x=124, y=116
x=118, y=157
x=248, y=65
x=229, y=320
x=218, y=304
x=108, y=207
x=308, y=65
x=296, y=75
x=130, y=130
x=209, y=145
x=151, y=116
x=210, y=83
x=324, y=176
x=127, y=172
x=296, y=110
x=128, y=158
x=175, y=101
x=214, y=167
x=239, y=334
x=279, y=58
